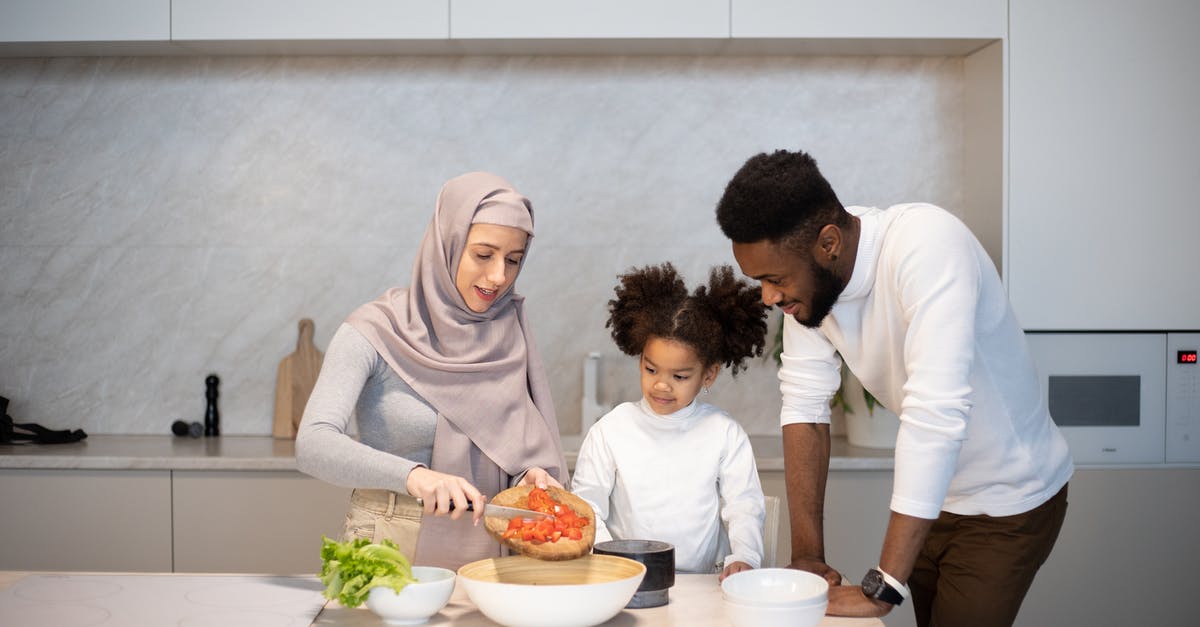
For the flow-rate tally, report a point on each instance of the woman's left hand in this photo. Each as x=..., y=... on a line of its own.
x=540, y=478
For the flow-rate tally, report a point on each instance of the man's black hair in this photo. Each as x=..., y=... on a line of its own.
x=778, y=197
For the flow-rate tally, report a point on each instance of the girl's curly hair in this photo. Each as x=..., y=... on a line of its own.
x=725, y=321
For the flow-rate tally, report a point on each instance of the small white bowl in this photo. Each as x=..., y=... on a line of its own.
x=417, y=601
x=775, y=587
x=744, y=615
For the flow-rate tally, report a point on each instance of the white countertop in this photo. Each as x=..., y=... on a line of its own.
x=165, y=452
x=695, y=600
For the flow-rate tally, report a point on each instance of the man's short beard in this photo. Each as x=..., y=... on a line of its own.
x=827, y=287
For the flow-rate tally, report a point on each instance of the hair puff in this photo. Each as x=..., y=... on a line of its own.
x=724, y=321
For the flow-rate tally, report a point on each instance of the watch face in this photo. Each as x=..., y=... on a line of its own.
x=872, y=583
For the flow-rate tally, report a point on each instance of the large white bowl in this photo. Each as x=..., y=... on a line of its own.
x=519, y=591
x=743, y=615
x=416, y=602
x=775, y=587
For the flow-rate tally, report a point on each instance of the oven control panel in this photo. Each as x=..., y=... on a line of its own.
x=1183, y=398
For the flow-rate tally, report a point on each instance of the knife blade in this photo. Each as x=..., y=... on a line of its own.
x=508, y=513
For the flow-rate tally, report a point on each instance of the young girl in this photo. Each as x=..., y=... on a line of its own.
x=669, y=467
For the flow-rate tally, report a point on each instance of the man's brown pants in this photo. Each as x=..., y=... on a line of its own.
x=974, y=571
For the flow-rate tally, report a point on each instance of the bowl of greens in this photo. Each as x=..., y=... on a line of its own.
x=359, y=571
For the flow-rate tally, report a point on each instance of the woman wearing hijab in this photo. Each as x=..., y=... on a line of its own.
x=448, y=390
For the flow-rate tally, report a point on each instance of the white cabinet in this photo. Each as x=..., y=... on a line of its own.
x=86, y=520
x=253, y=521
x=458, y=26
x=585, y=19
x=84, y=20
x=164, y=521
x=972, y=19
x=1103, y=174
x=309, y=19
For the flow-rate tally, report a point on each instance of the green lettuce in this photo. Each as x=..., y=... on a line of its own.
x=350, y=569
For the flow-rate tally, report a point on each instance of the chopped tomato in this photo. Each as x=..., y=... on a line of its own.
x=564, y=522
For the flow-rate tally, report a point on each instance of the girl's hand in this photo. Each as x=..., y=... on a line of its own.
x=437, y=489
x=735, y=567
x=540, y=478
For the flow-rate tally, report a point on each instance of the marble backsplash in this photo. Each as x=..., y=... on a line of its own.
x=163, y=218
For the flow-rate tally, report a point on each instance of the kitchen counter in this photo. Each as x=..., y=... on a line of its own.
x=695, y=601
x=165, y=452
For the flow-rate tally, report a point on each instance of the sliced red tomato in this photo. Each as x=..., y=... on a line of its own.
x=564, y=522
x=541, y=501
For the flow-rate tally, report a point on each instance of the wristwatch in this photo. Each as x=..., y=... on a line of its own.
x=880, y=585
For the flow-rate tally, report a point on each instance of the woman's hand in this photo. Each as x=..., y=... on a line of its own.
x=438, y=489
x=735, y=567
x=540, y=478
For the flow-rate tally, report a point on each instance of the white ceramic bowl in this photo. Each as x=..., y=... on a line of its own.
x=775, y=587
x=521, y=591
x=743, y=615
x=416, y=602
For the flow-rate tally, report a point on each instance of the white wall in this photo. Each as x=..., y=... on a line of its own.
x=163, y=218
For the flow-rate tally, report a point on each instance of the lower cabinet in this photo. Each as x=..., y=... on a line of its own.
x=1126, y=554
x=164, y=521
x=253, y=521
x=85, y=520
x=856, y=516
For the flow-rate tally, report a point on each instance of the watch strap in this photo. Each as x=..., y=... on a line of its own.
x=880, y=585
x=895, y=584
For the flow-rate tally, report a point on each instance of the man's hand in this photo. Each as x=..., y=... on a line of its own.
x=820, y=568
x=850, y=601
x=539, y=477
x=438, y=489
x=735, y=567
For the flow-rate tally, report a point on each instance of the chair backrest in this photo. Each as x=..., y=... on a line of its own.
x=771, y=532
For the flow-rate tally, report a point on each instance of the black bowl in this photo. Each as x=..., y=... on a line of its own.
x=659, y=559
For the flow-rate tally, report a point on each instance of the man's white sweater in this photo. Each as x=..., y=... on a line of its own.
x=925, y=324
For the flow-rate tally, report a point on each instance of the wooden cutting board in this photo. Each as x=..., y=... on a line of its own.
x=296, y=377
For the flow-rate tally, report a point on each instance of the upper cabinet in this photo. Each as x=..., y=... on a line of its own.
x=880, y=19
x=1103, y=173
x=66, y=27
x=85, y=20
x=242, y=20
x=589, y=19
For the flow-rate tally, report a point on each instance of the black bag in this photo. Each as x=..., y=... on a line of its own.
x=15, y=433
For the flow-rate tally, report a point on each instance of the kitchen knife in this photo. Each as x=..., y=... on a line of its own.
x=502, y=511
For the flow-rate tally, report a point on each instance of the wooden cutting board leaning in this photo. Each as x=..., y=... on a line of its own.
x=296, y=377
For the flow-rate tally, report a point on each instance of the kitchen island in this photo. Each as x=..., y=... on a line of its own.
x=695, y=600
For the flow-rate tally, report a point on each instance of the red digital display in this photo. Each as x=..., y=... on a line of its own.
x=1186, y=357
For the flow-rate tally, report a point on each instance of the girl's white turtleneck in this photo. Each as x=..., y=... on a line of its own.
x=665, y=477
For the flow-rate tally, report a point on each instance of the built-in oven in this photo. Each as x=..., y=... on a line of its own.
x=1122, y=398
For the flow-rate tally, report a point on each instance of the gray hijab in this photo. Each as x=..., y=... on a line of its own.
x=481, y=372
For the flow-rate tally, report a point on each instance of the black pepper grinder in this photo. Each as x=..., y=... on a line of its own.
x=212, y=417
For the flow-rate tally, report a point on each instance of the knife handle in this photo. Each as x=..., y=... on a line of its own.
x=470, y=506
